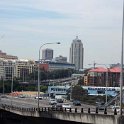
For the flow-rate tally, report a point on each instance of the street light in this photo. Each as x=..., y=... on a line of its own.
x=12, y=84
x=121, y=73
x=12, y=79
x=39, y=69
x=3, y=84
x=107, y=81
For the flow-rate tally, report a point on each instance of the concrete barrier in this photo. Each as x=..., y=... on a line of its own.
x=89, y=117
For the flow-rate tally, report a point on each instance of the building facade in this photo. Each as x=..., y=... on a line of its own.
x=100, y=76
x=57, y=90
x=77, y=53
x=6, y=56
x=50, y=66
x=15, y=69
x=24, y=68
x=61, y=59
x=47, y=54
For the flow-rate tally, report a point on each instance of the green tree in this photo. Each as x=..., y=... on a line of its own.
x=78, y=92
x=43, y=88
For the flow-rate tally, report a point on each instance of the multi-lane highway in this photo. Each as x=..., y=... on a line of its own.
x=32, y=102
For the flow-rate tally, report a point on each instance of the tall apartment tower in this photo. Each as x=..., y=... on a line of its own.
x=77, y=53
x=47, y=54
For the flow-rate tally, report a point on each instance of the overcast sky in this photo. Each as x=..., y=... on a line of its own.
x=27, y=24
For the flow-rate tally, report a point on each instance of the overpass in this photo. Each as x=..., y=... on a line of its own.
x=72, y=115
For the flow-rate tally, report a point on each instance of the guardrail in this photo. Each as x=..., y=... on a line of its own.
x=51, y=109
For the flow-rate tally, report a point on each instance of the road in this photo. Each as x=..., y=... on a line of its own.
x=32, y=102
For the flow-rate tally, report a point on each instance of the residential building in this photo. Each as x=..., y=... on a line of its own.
x=6, y=56
x=77, y=53
x=9, y=69
x=99, y=76
x=15, y=69
x=1, y=70
x=24, y=68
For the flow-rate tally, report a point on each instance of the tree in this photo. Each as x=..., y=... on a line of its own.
x=78, y=92
x=43, y=88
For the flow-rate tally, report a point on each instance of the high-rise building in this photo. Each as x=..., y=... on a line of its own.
x=77, y=53
x=47, y=54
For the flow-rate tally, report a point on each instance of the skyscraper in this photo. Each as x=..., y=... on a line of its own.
x=47, y=54
x=77, y=53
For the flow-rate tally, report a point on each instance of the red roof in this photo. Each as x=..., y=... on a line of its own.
x=101, y=69
x=115, y=69
x=98, y=69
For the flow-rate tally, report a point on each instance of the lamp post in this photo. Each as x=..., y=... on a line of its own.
x=3, y=84
x=12, y=79
x=39, y=69
x=107, y=80
x=12, y=84
x=121, y=73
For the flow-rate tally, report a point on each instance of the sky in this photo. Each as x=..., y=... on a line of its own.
x=27, y=24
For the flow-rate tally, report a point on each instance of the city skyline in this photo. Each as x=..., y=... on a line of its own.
x=27, y=25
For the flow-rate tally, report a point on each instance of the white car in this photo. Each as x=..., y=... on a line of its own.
x=66, y=105
x=52, y=102
x=39, y=97
x=117, y=108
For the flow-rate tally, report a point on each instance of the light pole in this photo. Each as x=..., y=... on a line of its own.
x=39, y=69
x=121, y=73
x=107, y=80
x=12, y=79
x=71, y=93
x=3, y=84
x=12, y=84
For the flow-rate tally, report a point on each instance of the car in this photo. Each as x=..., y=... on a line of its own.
x=101, y=106
x=39, y=97
x=117, y=108
x=57, y=106
x=22, y=96
x=59, y=100
x=52, y=102
x=66, y=105
x=4, y=96
x=76, y=103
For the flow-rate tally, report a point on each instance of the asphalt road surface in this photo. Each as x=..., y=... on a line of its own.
x=32, y=102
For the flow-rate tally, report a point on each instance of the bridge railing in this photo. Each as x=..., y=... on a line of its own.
x=50, y=109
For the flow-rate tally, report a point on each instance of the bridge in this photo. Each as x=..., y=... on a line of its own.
x=71, y=115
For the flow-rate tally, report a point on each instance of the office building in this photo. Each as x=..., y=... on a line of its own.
x=47, y=54
x=77, y=53
x=61, y=59
x=50, y=66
